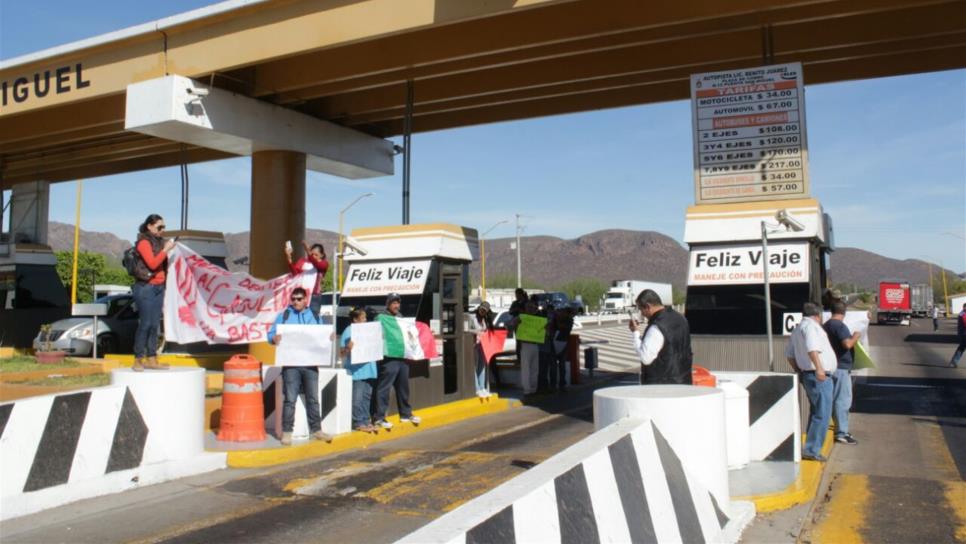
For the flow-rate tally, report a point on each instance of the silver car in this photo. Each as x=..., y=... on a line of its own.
x=115, y=331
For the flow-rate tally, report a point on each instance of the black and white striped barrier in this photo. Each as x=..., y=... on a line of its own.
x=335, y=402
x=145, y=428
x=624, y=483
x=773, y=414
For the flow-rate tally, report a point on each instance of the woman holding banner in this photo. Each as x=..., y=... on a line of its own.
x=149, y=276
x=313, y=268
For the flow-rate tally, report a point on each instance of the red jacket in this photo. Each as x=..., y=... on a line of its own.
x=321, y=266
x=155, y=261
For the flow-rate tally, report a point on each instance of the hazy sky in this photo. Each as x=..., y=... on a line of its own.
x=887, y=161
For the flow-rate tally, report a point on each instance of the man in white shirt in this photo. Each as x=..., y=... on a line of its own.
x=665, y=349
x=811, y=355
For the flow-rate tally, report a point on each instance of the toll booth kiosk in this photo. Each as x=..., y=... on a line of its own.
x=428, y=266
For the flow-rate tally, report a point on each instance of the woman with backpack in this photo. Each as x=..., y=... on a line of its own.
x=149, y=270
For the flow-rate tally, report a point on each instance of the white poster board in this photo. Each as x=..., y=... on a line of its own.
x=304, y=345
x=749, y=134
x=366, y=342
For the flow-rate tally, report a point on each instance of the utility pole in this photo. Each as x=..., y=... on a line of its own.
x=519, y=277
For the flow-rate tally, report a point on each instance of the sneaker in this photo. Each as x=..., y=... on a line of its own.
x=286, y=439
x=481, y=393
x=384, y=424
x=846, y=439
x=138, y=365
x=319, y=435
x=415, y=420
x=367, y=428
x=820, y=458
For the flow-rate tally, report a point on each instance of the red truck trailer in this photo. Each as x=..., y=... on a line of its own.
x=895, y=302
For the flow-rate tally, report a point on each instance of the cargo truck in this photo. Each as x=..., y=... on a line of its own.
x=622, y=293
x=894, y=302
x=922, y=299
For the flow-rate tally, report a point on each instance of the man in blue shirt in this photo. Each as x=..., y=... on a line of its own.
x=299, y=379
x=842, y=340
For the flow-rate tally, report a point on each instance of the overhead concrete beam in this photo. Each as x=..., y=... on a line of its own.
x=179, y=109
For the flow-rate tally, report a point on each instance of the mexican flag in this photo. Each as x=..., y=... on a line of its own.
x=400, y=337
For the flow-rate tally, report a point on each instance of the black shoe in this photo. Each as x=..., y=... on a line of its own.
x=846, y=439
x=820, y=458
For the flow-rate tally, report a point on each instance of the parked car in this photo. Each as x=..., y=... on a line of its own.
x=558, y=299
x=115, y=331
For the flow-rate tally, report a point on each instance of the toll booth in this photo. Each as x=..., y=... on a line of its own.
x=725, y=274
x=428, y=266
x=31, y=293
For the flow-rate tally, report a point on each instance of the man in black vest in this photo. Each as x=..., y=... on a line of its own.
x=665, y=348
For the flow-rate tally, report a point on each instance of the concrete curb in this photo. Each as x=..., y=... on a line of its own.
x=802, y=490
x=208, y=361
x=433, y=417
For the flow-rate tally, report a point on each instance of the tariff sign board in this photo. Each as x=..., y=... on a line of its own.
x=749, y=135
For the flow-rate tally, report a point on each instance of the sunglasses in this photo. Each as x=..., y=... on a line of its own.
x=298, y=299
x=160, y=227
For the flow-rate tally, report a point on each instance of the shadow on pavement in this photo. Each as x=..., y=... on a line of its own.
x=910, y=396
x=932, y=338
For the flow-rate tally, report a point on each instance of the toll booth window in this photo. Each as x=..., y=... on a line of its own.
x=740, y=309
x=39, y=287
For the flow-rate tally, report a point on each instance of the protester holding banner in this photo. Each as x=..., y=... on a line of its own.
x=299, y=379
x=149, y=268
x=482, y=323
x=527, y=352
x=393, y=370
x=313, y=268
x=364, y=377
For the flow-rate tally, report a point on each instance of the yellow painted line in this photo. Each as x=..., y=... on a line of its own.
x=433, y=417
x=214, y=361
x=956, y=497
x=844, y=516
x=802, y=490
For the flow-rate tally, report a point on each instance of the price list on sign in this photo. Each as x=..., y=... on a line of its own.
x=749, y=135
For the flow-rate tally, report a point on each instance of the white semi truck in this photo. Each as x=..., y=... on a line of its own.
x=621, y=295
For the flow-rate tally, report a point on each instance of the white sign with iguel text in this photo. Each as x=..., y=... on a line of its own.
x=742, y=264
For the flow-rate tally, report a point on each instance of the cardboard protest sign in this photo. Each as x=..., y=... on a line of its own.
x=532, y=328
x=304, y=345
x=492, y=343
x=367, y=342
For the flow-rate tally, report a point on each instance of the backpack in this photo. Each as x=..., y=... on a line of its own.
x=134, y=265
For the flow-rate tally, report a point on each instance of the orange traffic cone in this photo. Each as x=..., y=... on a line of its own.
x=242, y=413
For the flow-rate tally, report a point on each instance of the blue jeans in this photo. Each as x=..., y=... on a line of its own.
x=301, y=379
x=393, y=374
x=150, y=301
x=362, y=402
x=480, y=369
x=820, y=411
x=841, y=400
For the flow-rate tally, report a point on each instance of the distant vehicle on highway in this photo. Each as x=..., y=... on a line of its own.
x=558, y=299
x=894, y=302
x=115, y=331
x=922, y=299
x=622, y=295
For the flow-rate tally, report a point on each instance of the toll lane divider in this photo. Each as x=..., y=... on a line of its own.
x=55, y=449
x=803, y=489
x=432, y=417
x=624, y=483
x=773, y=414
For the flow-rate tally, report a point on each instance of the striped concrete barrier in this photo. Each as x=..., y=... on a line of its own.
x=773, y=414
x=624, y=483
x=56, y=449
x=335, y=402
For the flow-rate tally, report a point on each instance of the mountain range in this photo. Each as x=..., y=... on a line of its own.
x=549, y=261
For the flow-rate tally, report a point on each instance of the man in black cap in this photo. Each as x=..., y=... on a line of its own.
x=665, y=348
x=393, y=374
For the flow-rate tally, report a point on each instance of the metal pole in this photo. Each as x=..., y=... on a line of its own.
x=407, y=149
x=764, y=262
x=945, y=292
x=519, y=277
x=482, y=269
x=94, y=332
x=73, y=281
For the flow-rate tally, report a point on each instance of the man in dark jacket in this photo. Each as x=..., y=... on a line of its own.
x=665, y=348
x=961, y=332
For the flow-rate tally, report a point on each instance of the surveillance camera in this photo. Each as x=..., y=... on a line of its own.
x=355, y=246
x=789, y=221
x=200, y=91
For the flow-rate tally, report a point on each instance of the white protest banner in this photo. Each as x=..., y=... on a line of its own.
x=741, y=264
x=304, y=345
x=204, y=302
x=382, y=278
x=366, y=342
